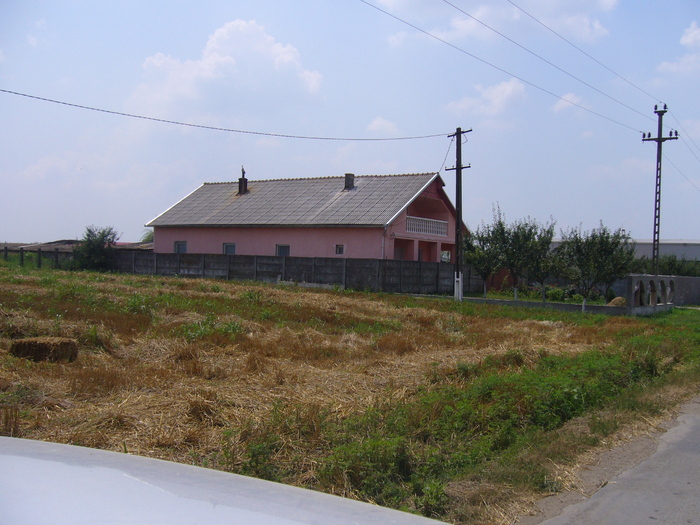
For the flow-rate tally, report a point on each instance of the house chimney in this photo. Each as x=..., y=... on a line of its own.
x=349, y=181
x=242, y=183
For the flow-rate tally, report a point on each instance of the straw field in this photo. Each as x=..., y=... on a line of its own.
x=286, y=383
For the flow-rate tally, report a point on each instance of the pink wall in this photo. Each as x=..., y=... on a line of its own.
x=359, y=243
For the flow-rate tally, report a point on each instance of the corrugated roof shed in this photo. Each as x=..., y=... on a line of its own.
x=373, y=201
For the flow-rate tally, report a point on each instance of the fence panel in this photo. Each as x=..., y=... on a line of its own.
x=446, y=279
x=330, y=271
x=143, y=262
x=167, y=264
x=299, y=269
x=362, y=274
x=429, y=277
x=269, y=268
x=242, y=267
x=216, y=266
x=411, y=278
x=391, y=276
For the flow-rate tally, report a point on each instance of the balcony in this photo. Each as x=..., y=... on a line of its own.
x=426, y=226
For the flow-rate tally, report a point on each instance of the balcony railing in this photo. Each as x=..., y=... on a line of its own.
x=427, y=226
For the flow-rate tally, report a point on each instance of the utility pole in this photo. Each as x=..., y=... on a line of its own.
x=459, y=234
x=659, y=139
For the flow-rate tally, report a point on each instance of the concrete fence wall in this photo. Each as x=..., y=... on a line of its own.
x=359, y=274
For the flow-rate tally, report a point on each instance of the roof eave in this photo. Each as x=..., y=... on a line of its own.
x=150, y=224
x=200, y=225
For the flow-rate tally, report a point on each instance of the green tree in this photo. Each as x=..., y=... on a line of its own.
x=596, y=257
x=481, y=252
x=544, y=262
x=95, y=251
x=523, y=246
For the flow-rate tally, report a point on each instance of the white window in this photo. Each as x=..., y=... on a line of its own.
x=282, y=250
x=229, y=248
x=180, y=247
x=339, y=249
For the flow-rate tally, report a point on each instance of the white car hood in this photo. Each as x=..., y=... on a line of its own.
x=49, y=483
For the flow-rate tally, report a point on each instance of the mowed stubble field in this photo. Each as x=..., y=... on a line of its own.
x=267, y=381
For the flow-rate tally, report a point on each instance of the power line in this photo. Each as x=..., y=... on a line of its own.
x=449, y=147
x=688, y=135
x=214, y=128
x=683, y=174
x=497, y=68
x=547, y=61
x=582, y=51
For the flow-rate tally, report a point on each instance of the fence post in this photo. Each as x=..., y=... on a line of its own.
x=255, y=267
x=55, y=258
x=377, y=276
x=381, y=284
x=345, y=274
x=21, y=256
x=203, y=265
x=38, y=258
x=437, y=278
x=4, y=251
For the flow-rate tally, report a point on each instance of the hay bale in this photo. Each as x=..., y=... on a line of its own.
x=618, y=301
x=45, y=348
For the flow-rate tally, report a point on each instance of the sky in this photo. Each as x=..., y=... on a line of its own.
x=557, y=94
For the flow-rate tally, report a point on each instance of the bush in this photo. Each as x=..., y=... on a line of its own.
x=556, y=294
x=95, y=251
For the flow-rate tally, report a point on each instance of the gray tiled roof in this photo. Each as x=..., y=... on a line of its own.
x=374, y=201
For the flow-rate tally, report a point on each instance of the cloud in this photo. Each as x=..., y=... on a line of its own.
x=493, y=100
x=464, y=26
x=566, y=101
x=625, y=171
x=381, y=126
x=689, y=63
x=691, y=36
x=240, y=65
x=397, y=39
x=692, y=128
x=580, y=26
x=474, y=25
x=607, y=5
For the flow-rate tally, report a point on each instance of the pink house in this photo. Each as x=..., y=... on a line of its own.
x=407, y=217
